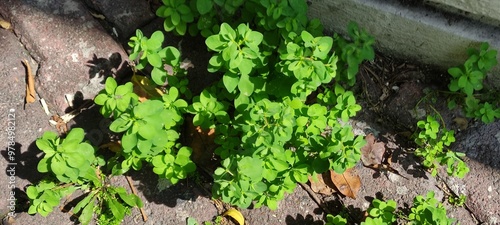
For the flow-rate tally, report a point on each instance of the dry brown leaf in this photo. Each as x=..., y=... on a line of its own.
x=5, y=24
x=144, y=88
x=202, y=143
x=30, y=83
x=320, y=186
x=114, y=146
x=461, y=122
x=236, y=215
x=386, y=166
x=373, y=152
x=347, y=183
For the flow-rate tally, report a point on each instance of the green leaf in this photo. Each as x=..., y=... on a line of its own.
x=204, y=6
x=87, y=212
x=154, y=59
x=83, y=203
x=45, y=145
x=215, y=43
x=185, y=151
x=183, y=9
x=307, y=38
x=116, y=208
x=251, y=167
x=227, y=32
x=181, y=28
x=100, y=99
x=159, y=76
x=110, y=85
x=127, y=198
x=121, y=124
x=245, y=67
x=462, y=81
x=230, y=81
x=58, y=165
x=190, y=220
x=175, y=18
x=245, y=86
x=76, y=134
x=253, y=39
x=32, y=192
x=172, y=55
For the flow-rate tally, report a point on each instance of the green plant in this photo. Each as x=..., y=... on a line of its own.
x=381, y=212
x=468, y=79
x=191, y=221
x=352, y=53
x=115, y=99
x=267, y=79
x=150, y=133
x=73, y=165
x=432, y=144
x=165, y=61
x=457, y=200
x=335, y=220
x=270, y=130
x=177, y=14
x=425, y=210
x=69, y=159
x=269, y=136
x=428, y=210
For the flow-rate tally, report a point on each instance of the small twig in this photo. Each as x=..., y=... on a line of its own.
x=134, y=191
x=315, y=198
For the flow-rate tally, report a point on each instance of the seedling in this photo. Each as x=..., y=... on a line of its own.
x=433, y=145
x=73, y=165
x=468, y=79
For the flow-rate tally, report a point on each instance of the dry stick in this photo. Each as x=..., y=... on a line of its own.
x=129, y=180
x=315, y=198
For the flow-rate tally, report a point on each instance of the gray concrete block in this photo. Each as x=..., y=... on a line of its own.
x=411, y=32
x=486, y=11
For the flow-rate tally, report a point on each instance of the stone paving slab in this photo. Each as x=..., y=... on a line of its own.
x=481, y=143
x=30, y=122
x=124, y=17
x=63, y=37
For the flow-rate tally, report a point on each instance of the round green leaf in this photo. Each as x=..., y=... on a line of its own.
x=154, y=59
x=110, y=85
x=100, y=99
x=204, y=6
x=175, y=18
x=245, y=86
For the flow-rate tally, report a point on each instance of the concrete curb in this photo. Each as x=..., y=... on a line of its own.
x=412, y=32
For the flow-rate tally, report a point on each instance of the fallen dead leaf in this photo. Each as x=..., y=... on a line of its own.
x=5, y=24
x=320, y=185
x=461, y=122
x=30, y=83
x=236, y=215
x=145, y=88
x=114, y=146
x=347, y=183
x=202, y=143
x=373, y=152
x=373, y=155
